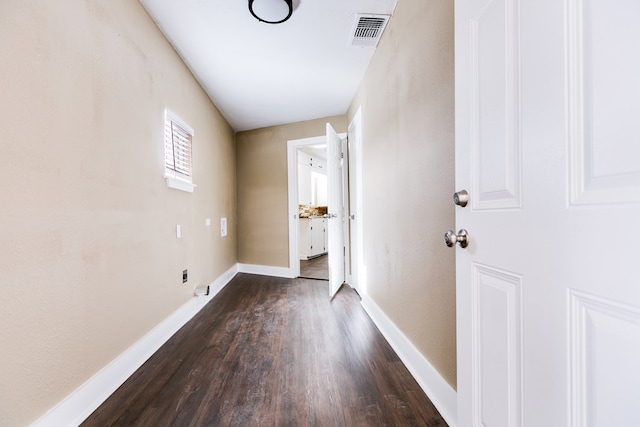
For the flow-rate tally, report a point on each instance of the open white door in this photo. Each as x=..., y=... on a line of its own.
x=335, y=211
x=548, y=148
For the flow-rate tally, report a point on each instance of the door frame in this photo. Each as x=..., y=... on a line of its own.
x=354, y=206
x=292, y=185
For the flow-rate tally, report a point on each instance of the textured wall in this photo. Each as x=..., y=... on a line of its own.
x=263, y=227
x=89, y=259
x=407, y=100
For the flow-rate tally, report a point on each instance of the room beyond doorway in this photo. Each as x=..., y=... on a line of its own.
x=309, y=216
x=312, y=216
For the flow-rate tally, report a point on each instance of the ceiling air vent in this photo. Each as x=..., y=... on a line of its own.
x=367, y=30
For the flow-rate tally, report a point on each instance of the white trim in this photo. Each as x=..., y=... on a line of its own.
x=168, y=114
x=442, y=395
x=355, y=188
x=266, y=270
x=292, y=171
x=222, y=281
x=175, y=179
x=76, y=407
x=292, y=168
x=179, y=184
x=346, y=195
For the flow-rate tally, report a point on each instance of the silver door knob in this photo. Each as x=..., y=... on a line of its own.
x=462, y=238
x=461, y=198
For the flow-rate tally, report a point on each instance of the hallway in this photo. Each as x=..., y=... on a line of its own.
x=273, y=351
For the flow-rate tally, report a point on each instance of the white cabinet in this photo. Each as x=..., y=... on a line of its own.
x=319, y=165
x=319, y=188
x=325, y=234
x=316, y=163
x=312, y=237
x=312, y=180
x=305, y=185
x=317, y=236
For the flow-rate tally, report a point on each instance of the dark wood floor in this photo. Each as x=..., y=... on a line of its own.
x=272, y=352
x=315, y=268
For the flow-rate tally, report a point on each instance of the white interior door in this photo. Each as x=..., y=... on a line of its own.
x=335, y=211
x=548, y=147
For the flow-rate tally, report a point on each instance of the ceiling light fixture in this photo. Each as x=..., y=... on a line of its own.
x=271, y=11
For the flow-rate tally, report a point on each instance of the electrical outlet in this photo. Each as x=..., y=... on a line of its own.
x=185, y=276
x=223, y=227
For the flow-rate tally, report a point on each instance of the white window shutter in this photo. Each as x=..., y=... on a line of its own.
x=178, y=160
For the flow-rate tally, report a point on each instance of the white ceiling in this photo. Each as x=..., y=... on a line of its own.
x=260, y=74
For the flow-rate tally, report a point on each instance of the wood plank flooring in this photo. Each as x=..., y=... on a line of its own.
x=272, y=352
x=315, y=268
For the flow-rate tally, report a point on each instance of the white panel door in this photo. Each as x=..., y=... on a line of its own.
x=335, y=211
x=548, y=148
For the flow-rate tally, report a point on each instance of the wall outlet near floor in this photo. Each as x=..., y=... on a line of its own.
x=185, y=276
x=223, y=227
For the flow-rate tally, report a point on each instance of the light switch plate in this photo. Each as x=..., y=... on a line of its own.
x=223, y=227
x=178, y=231
x=207, y=222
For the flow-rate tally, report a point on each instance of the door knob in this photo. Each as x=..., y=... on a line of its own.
x=462, y=238
x=461, y=198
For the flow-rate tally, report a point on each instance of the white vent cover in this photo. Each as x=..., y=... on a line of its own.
x=367, y=29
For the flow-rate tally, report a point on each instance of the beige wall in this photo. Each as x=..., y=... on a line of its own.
x=89, y=260
x=263, y=227
x=407, y=100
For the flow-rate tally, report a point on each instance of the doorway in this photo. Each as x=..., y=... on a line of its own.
x=312, y=212
x=295, y=200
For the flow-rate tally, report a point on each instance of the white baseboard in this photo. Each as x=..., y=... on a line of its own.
x=443, y=396
x=76, y=407
x=221, y=282
x=265, y=270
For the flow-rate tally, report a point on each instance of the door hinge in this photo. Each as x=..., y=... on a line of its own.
x=342, y=155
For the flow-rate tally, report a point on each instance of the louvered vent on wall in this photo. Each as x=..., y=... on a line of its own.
x=367, y=29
